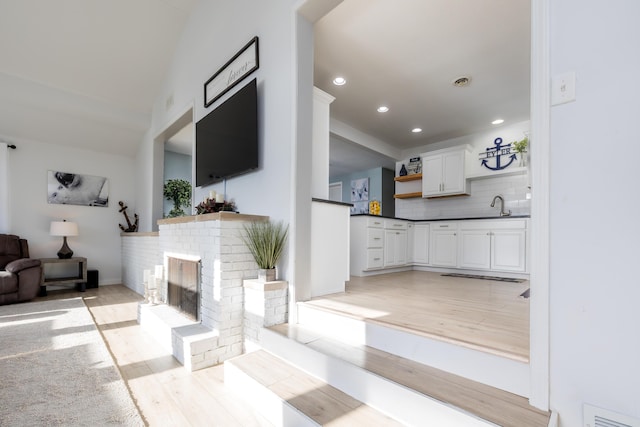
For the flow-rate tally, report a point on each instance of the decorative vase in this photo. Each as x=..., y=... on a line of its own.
x=267, y=275
x=523, y=158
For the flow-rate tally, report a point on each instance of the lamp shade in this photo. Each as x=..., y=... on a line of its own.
x=63, y=228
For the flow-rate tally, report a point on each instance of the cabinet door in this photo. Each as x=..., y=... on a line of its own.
x=401, y=248
x=474, y=251
x=421, y=244
x=431, y=175
x=453, y=179
x=389, y=248
x=395, y=248
x=508, y=250
x=443, y=248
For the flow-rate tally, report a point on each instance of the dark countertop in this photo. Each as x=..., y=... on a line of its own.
x=446, y=219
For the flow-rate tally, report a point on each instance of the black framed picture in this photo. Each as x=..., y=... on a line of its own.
x=233, y=72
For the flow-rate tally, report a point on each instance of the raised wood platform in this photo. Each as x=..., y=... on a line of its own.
x=394, y=378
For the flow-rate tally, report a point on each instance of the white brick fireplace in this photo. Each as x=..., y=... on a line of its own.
x=213, y=240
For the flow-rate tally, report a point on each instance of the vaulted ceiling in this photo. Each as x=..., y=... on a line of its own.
x=93, y=68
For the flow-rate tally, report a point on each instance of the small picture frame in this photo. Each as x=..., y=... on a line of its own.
x=233, y=72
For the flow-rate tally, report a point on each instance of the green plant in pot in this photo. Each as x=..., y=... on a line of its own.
x=520, y=147
x=179, y=192
x=266, y=241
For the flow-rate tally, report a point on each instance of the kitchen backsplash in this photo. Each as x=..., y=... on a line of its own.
x=514, y=190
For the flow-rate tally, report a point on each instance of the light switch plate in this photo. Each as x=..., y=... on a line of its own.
x=563, y=88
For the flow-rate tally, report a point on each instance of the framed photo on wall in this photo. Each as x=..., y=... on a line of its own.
x=233, y=72
x=66, y=188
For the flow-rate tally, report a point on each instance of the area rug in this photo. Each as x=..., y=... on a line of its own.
x=56, y=370
x=474, y=276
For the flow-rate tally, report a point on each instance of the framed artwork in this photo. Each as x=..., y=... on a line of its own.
x=360, y=208
x=65, y=188
x=360, y=190
x=233, y=72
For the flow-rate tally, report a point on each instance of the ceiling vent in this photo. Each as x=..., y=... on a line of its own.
x=462, y=81
x=598, y=417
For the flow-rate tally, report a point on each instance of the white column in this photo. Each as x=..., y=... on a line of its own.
x=320, y=144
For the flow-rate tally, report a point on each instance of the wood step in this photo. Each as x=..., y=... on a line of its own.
x=480, y=400
x=263, y=378
x=371, y=329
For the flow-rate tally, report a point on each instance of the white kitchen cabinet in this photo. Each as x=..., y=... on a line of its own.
x=367, y=244
x=493, y=245
x=508, y=250
x=419, y=246
x=395, y=243
x=395, y=248
x=443, y=173
x=443, y=244
x=475, y=249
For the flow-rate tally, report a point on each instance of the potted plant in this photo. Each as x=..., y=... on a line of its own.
x=265, y=240
x=520, y=147
x=179, y=192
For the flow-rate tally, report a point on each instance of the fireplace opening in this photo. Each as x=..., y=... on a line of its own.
x=183, y=286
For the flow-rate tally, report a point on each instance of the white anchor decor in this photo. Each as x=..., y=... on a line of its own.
x=496, y=153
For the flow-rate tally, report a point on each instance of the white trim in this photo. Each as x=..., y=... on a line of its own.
x=540, y=133
x=5, y=224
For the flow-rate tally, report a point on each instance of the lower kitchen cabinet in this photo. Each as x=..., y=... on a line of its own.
x=475, y=249
x=508, y=250
x=395, y=248
x=381, y=244
x=419, y=244
x=443, y=245
x=493, y=245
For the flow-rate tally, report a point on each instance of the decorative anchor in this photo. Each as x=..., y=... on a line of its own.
x=131, y=228
x=498, y=151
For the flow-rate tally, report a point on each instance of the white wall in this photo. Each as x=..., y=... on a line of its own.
x=99, y=234
x=595, y=290
x=514, y=188
x=214, y=33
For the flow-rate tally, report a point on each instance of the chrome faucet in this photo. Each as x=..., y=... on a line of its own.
x=502, y=212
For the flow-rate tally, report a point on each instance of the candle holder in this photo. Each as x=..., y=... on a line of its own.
x=211, y=206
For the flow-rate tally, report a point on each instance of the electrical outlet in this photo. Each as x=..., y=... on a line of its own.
x=563, y=88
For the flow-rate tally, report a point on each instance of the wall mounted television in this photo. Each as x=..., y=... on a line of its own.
x=227, y=138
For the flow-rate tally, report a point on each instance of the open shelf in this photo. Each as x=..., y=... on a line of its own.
x=406, y=178
x=408, y=195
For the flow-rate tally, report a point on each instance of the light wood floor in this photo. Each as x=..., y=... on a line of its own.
x=165, y=392
x=483, y=314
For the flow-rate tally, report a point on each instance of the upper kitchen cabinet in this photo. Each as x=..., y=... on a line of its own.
x=443, y=172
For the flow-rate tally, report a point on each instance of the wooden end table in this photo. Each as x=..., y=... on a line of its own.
x=80, y=280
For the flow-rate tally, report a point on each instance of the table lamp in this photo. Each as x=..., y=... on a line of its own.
x=64, y=229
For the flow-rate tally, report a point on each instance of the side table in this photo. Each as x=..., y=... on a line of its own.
x=80, y=279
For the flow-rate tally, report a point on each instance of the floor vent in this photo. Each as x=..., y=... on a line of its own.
x=598, y=417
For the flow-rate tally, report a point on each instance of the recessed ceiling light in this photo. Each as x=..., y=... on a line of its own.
x=497, y=122
x=383, y=109
x=416, y=130
x=462, y=81
x=339, y=81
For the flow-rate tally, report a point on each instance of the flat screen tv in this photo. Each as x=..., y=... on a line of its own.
x=227, y=138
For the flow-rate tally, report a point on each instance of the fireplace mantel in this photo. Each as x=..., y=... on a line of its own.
x=218, y=216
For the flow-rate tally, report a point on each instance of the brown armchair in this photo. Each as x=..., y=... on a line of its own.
x=20, y=276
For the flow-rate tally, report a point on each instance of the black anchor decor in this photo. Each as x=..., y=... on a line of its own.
x=131, y=228
x=496, y=153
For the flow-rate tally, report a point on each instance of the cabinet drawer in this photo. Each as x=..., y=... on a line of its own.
x=374, y=258
x=444, y=226
x=375, y=222
x=375, y=237
x=391, y=224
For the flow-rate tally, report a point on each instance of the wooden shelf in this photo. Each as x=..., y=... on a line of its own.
x=408, y=195
x=405, y=178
